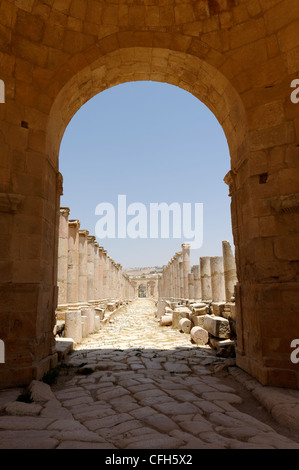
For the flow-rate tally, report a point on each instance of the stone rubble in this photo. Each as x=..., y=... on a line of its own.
x=212, y=308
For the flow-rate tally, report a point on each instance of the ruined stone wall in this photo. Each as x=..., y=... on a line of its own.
x=83, y=266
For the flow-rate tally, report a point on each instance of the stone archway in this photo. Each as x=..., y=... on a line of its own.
x=142, y=290
x=239, y=59
x=149, y=285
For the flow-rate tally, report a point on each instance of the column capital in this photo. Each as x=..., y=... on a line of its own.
x=185, y=246
x=74, y=223
x=83, y=233
x=64, y=210
x=91, y=238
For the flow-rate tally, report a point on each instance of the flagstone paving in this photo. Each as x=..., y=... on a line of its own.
x=136, y=385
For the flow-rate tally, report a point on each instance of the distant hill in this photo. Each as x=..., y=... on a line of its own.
x=143, y=271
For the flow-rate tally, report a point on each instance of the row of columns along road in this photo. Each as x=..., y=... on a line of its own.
x=89, y=281
x=212, y=280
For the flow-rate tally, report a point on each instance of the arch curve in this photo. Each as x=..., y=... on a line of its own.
x=177, y=68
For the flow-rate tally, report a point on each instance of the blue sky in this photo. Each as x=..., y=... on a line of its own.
x=154, y=143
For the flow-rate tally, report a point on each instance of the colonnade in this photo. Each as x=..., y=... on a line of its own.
x=86, y=272
x=213, y=279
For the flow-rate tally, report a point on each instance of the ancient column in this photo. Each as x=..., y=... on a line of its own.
x=110, y=278
x=186, y=268
x=190, y=286
x=73, y=261
x=230, y=274
x=197, y=282
x=217, y=279
x=181, y=278
x=177, y=267
x=169, y=281
x=73, y=324
x=162, y=283
x=105, y=275
x=63, y=255
x=205, y=274
x=96, y=270
x=90, y=267
x=101, y=273
x=172, y=278
x=116, y=281
x=119, y=281
x=82, y=291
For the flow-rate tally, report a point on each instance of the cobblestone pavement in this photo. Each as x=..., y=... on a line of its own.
x=136, y=385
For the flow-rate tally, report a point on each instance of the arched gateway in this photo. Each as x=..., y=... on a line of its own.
x=239, y=58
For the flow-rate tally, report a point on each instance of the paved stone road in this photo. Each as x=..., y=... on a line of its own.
x=139, y=386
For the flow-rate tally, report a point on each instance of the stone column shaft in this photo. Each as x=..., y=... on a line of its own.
x=205, y=273
x=186, y=268
x=90, y=268
x=181, y=278
x=62, y=271
x=105, y=275
x=101, y=273
x=217, y=279
x=96, y=271
x=82, y=291
x=230, y=273
x=73, y=261
x=190, y=286
x=197, y=282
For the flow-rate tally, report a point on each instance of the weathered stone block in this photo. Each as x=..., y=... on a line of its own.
x=200, y=309
x=73, y=328
x=217, y=326
x=111, y=306
x=218, y=308
x=197, y=320
x=41, y=391
x=178, y=313
x=229, y=311
x=161, y=305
